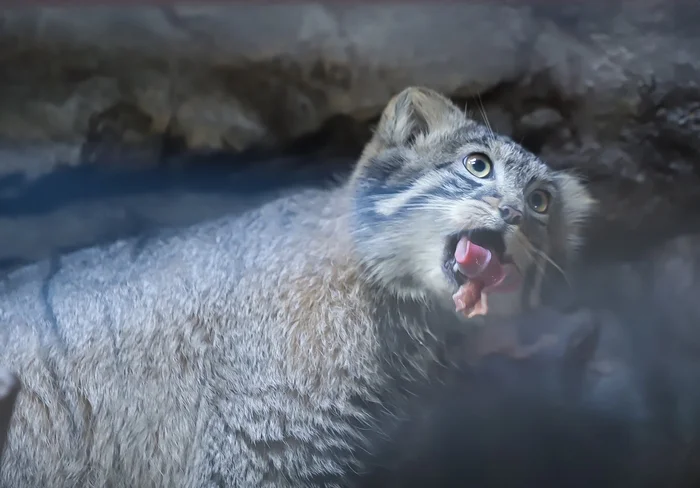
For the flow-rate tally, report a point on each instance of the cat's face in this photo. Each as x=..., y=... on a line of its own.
x=431, y=175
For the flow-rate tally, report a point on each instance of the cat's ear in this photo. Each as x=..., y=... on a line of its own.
x=415, y=111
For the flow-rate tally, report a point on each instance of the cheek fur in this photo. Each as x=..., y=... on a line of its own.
x=417, y=243
x=517, y=247
x=527, y=245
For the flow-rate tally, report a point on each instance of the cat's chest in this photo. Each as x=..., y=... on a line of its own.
x=414, y=337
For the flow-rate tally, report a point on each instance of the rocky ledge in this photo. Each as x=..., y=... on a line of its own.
x=607, y=87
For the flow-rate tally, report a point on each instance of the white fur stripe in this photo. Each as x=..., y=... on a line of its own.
x=392, y=204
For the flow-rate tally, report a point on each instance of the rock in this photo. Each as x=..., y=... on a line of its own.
x=608, y=88
x=235, y=75
x=540, y=119
x=121, y=135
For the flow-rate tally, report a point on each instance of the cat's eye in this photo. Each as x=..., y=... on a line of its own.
x=539, y=201
x=478, y=164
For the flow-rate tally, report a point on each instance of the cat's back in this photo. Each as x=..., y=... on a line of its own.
x=129, y=279
x=97, y=335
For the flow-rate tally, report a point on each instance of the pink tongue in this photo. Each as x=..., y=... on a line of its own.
x=479, y=264
x=485, y=275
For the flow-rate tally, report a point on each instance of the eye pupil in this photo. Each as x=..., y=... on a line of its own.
x=539, y=201
x=478, y=164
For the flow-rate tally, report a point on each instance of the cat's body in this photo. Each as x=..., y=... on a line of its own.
x=253, y=351
x=192, y=388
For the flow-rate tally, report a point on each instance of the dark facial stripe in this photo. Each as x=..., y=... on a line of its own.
x=380, y=169
x=444, y=164
x=380, y=175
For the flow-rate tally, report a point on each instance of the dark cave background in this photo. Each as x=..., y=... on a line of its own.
x=119, y=121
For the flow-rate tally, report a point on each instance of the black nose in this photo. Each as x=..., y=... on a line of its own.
x=510, y=215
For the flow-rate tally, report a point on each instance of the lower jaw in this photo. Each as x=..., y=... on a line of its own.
x=470, y=301
x=471, y=297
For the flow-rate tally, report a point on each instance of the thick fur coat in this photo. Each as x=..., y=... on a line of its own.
x=259, y=350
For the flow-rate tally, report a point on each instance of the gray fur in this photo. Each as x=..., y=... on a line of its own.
x=252, y=351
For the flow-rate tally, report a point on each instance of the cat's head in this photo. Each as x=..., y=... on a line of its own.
x=430, y=175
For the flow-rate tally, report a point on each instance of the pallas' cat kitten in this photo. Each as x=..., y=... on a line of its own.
x=259, y=350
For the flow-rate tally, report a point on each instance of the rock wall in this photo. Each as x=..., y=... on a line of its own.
x=608, y=87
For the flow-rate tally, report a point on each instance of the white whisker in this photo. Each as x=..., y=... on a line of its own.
x=483, y=114
x=525, y=241
x=531, y=255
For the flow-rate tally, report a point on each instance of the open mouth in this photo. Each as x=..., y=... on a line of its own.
x=477, y=264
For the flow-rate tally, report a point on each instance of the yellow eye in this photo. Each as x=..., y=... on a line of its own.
x=478, y=164
x=539, y=201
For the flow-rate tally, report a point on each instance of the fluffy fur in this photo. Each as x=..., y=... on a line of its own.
x=259, y=350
